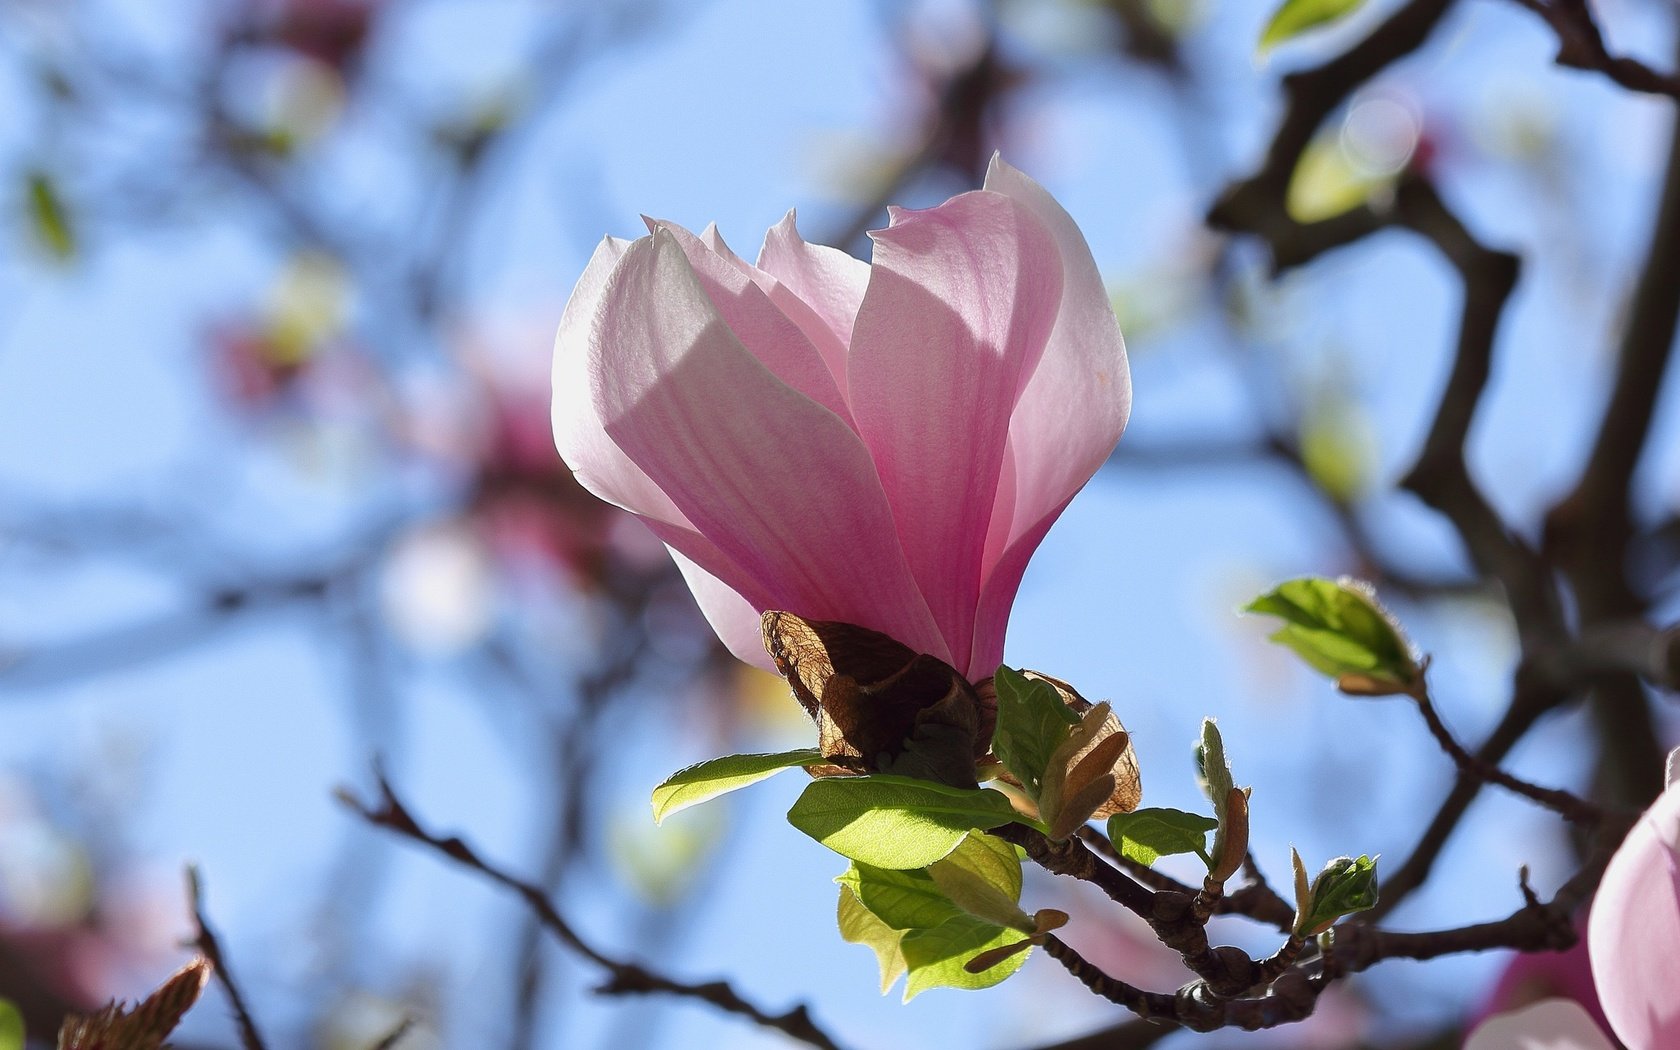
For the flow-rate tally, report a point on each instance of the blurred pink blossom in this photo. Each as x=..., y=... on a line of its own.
x=884, y=445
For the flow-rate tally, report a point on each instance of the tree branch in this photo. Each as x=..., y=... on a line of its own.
x=623, y=978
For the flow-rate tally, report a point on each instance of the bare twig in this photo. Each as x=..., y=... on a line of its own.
x=1581, y=46
x=1572, y=808
x=205, y=941
x=623, y=978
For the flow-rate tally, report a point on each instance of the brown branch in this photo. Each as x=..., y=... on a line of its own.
x=1572, y=808
x=623, y=978
x=1528, y=704
x=204, y=940
x=1581, y=46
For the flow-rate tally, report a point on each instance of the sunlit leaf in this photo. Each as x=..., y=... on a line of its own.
x=895, y=822
x=982, y=876
x=1294, y=17
x=1147, y=835
x=1338, y=628
x=936, y=957
x=903, y=900
x=1032, y=721
x=858, y=925
x=707, y=780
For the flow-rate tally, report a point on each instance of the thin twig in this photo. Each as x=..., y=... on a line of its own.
x=1572, y=808
x=1581, y=46
x=623, y=978
x=204, y=940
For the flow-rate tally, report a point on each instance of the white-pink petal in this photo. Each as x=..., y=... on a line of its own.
x=1633, y=932
x=960, y=305
x=781, y=485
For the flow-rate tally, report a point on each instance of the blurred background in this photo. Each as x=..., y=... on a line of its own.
x=278, y=495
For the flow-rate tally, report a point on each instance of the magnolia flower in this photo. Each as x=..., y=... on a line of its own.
x=880, y=445
x=1633, y=939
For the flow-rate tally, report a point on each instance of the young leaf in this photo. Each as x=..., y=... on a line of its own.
x=707, y=780
x=11, y=1026
x=1345, y=886
x=1294, y=17
x=1147, y=835
x=895, y=822
x=903, y=900
x=858, y=925
x=1032, y=721
x=936, y=957
x=1338, y=628
x=982, y=876
x=1213, y=772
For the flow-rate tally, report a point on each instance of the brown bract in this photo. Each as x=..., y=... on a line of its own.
x=148, y=1024
x=1119, y=759
x=879, y=705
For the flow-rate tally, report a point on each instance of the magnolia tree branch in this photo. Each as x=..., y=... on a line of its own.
x=1286, y=986
x=204, y=940
x=1570, y=807
x=1581, y=46
x=623, y=978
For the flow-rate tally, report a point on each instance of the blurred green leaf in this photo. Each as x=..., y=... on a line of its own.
x=1294, y=17
x=1147, y=835
x=11, y=1026
x=1032, y=721
x=1325, y=183
x=895, y=822
x=49, y=216
x=859, y=925
x=1338, y=628
x=708, y=780
x=935, y=957
x=1337, y=443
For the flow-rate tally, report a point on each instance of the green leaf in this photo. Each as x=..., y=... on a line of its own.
x=982, y=876
x=707, y=780
x=895, y=822
x=1294, y=17
x=1032, y=721
x=49, y=217
x=935, y=957
x=11, y=1026
x=1147, y=835
x=1345, y=886
x=1339, y=629
x=903, y=900
x=859, y=925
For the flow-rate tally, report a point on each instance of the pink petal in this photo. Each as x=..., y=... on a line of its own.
x=826, y=279
x=960, y=305
x=781, y=486
x=1551, y=1024
x=761, y=326
x=1069, y=417
x=579, y=431
x=1633, y=933
x=734, y=618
